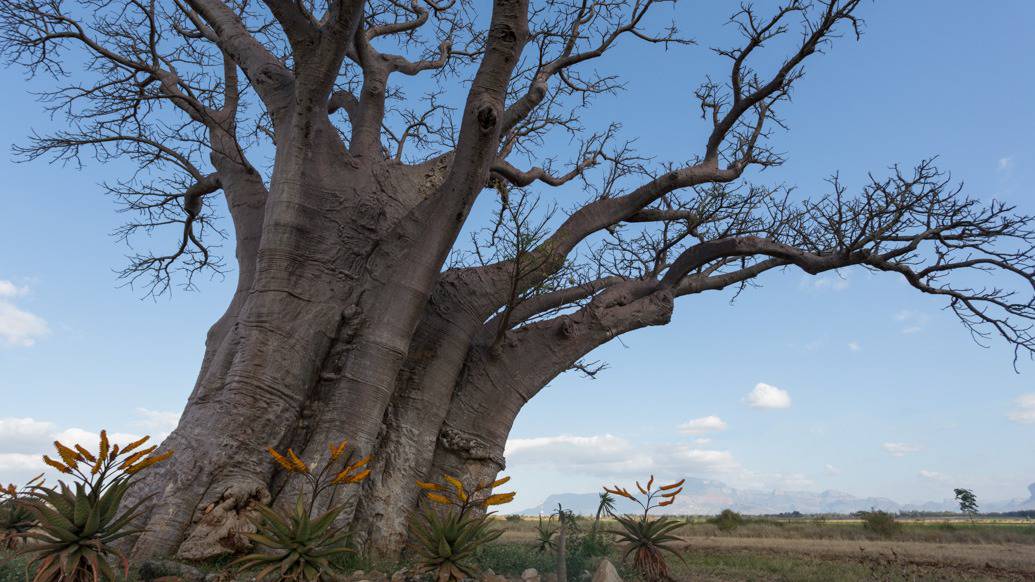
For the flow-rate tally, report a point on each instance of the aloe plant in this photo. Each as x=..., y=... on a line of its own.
x=77, y=525
x=300, y=547
x=644, y=538
x=15, y=518
x=447, y=539
x=297, y=546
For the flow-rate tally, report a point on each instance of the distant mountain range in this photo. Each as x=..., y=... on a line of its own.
x=704, y=497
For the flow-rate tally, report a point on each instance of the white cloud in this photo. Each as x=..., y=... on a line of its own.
x=701, y=441
x=24, y=441
x=836, y=281
x=912, y=321
x=933, y=476
x=900, y=449
x=20, y=463
x=1005, y=164
x=766, y=396
x=24, y=435
x=854, y=346
x=1025, y=409
x=703, y=425
x=18, y=328
x=611, y=457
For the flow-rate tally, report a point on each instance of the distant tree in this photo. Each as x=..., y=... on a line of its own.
x=968, y=502
x=605, y=507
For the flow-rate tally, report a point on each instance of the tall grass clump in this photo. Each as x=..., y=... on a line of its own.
x=880, y=522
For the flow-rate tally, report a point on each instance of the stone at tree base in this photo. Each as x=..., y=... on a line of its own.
x=530, y=575
x=221, y=528
x=606, y=572
x=490, y=576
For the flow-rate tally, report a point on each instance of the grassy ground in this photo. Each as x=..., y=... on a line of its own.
x=782, y=550
x=814, y=550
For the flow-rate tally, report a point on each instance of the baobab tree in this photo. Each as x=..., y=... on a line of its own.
x=347, y=141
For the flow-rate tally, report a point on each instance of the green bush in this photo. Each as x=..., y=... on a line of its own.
x=513, y=518
x=879, y=522
x=727, y=520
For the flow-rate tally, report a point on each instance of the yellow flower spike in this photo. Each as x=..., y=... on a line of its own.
x=12, y=490
x=70, y=457
x=299, y=465
x=439, y=498
x=97, y=466
x=429, y=486
x=499, y=482
x=498, y=499
x=102, y=450
x=148, y=462
x=640, y=487
x=114, y=453
x=85, y=455
x=362, y=462
x=650, y=483
x=358, y=476
x=666, y=503
x=672, y=493
x=137, y=456
x=135, y=444
x=339, y=450
x=56, y=464
x=672, y=486
x=458, y=486
x=281, y=460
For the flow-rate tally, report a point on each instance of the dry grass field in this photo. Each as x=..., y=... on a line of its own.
x=842, y=549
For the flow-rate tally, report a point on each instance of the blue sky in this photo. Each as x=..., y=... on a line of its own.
x=886, y=394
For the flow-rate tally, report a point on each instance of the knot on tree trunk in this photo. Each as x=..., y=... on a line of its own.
x=470, y=447
x=220, y=527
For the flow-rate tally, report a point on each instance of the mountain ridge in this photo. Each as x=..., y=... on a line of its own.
x=702, y=497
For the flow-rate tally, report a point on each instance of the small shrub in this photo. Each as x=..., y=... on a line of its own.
x=727, y=520
x=448, y=539
x=647, y=538
x=879, y=522
x=303, y=547
x=76, y=527
x=513, y=518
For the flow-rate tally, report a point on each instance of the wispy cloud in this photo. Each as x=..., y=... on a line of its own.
x=23, y=441
x=611, y=457
x=911, y=321
x=900, y=449
x=766, y=396
x=934, y=476
x=18, y=328
x=835, y=281
x=1024, y=409
x=854, y=346
x=1005, y=164
x=703, y=425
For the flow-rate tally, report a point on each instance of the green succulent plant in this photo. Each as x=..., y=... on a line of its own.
x=299, y=546
x=447, y=542
x=447, y=539
x=645, y=540
x=15, y=517
x=76, y=526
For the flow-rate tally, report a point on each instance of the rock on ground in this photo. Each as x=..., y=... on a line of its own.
x=606, y=573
